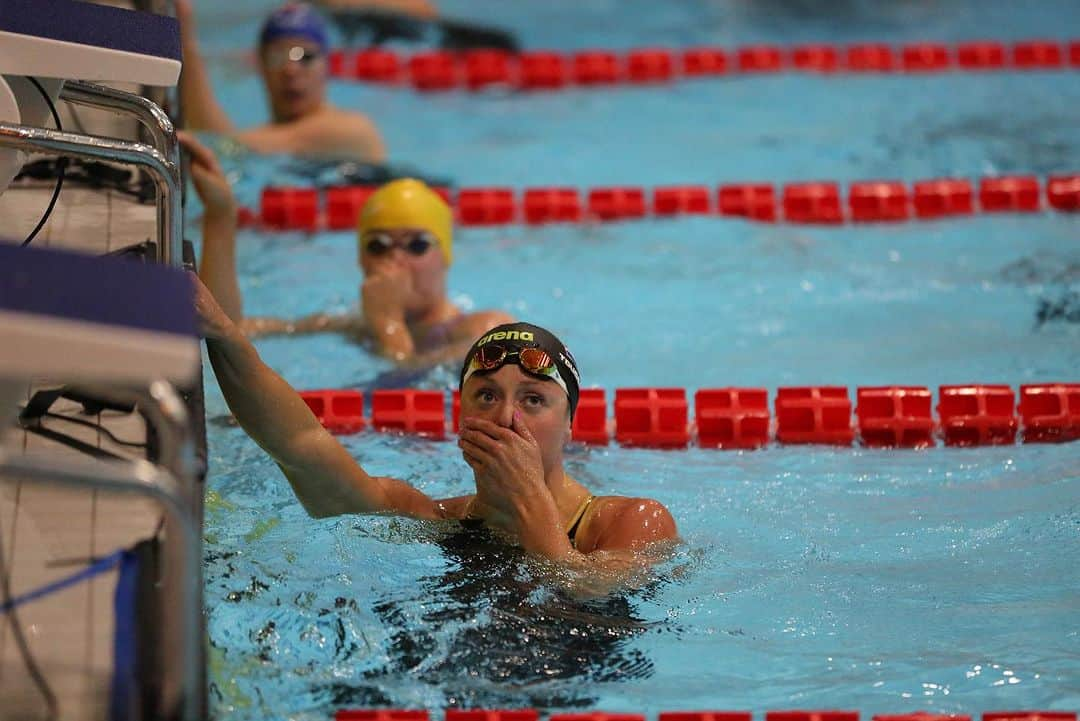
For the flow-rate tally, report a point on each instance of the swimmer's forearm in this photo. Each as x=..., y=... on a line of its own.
x=326, y=480
x=263, y=403
x=321, y=136
x=350, y=323
x=217, y=266
x=201, y=109
x=393, y=339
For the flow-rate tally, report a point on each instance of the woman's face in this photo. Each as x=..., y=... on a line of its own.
x=544, y=407
x=405, y=248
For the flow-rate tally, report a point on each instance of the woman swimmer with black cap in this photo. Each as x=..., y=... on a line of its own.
x=519, y=391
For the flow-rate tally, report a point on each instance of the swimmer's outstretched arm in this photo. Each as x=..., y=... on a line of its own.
x=330, y=133
x=351, y=324
x=326, y=479
x=217, y=264
x=201, y=109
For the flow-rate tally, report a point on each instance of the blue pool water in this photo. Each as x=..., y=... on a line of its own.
x=885, y=581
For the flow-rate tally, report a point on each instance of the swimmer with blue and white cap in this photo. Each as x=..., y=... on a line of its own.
x=404, y=247
x=292, y=58
x=519, y=390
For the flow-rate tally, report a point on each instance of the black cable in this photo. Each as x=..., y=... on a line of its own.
x=24, y=649
x=96, y=426
x=61, y=165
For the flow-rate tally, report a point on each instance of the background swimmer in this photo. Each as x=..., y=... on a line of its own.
x=405, y=249
x=292, y=60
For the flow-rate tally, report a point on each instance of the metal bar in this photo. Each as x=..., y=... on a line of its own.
x=164, y=172
x=164, y=409
x=146, y=112
x=182, y=699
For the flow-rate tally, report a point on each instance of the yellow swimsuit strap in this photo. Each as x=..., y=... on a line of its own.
x=572, y=524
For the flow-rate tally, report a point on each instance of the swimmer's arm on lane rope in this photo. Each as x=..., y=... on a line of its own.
x=329, y=133
x=349, y=323
x=217, y=264
x=201, y=109
x=326, y=479
x=471, y=328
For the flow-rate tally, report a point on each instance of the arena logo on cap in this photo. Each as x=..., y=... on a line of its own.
x=570, y=364
x=522, y=335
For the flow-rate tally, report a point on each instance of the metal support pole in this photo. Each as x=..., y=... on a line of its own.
x=181, y=692
x=165, y=173
x=146, y=112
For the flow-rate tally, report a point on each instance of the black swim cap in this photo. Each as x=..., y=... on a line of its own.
x=514, y=337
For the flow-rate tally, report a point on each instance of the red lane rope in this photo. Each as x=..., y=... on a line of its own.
x=740, y=418
x=477, y=70
x=309, y=209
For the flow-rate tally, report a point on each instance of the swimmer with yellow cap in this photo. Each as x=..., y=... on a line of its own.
x=405, y=238
x=405, y=232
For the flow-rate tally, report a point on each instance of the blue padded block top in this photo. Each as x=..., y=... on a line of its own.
x=113, y=291
x=89, y=24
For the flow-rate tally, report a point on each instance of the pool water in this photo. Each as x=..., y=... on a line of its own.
x=884, y=581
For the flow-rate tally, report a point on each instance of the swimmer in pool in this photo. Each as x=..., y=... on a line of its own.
x=519, y=390
x=292, y=52
x=405, y=234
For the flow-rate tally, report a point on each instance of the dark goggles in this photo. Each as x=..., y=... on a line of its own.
x=379, y=244
x=535, y=361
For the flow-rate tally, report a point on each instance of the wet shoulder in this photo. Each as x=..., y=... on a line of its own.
x=624, y=522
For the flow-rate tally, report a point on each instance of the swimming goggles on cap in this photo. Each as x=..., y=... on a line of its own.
x=532, y=360
x=277, y=58
x=379, y=244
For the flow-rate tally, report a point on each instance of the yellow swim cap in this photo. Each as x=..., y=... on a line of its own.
x=409, y=203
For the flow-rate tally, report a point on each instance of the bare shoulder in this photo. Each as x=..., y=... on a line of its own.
x=474, y=325
x=350, y=118
x=345, y=132
x=625, y=522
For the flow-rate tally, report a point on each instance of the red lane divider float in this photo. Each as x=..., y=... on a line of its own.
x=977, y=415
x=477, y=70
x=1050, y=413
x=814, y=202
x=528, y=714
x=942, y=197
x=551, y=205
x=338, y=411
x=732, y=418
x=655, y=417
x=814, y=415
x=895, y=416
x=739, y=418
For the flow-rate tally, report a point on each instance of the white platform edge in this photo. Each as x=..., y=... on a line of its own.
x=33, y=346
x=43, y=57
